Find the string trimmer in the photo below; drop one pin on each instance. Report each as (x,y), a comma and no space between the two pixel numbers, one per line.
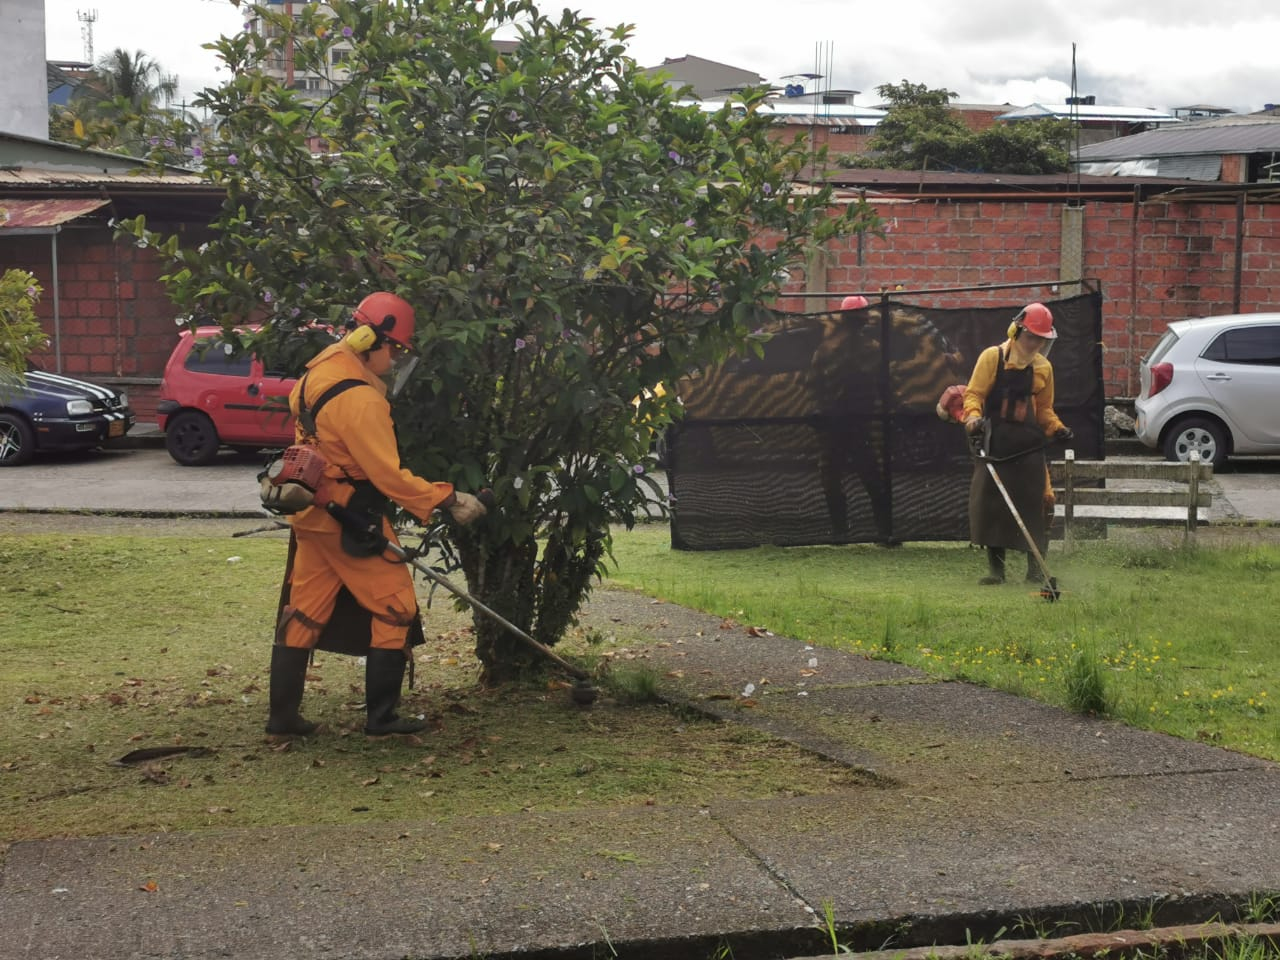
(1049,591)
(584,691)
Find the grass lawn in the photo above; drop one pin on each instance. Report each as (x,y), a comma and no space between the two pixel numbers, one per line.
(1170,639)
(114,643)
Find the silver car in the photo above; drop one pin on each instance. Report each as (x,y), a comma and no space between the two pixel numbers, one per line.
(1213,385)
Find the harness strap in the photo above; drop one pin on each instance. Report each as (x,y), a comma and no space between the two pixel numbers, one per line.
(307,417)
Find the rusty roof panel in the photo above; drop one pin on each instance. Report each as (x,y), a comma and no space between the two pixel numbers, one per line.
(34,177)
(18,214)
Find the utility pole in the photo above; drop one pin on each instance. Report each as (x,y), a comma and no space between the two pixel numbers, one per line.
(87,19)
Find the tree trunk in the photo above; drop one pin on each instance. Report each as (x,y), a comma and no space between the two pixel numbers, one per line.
(503,581)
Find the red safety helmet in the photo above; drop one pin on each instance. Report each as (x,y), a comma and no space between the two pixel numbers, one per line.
(1036,318)
(853,302)
(384,316)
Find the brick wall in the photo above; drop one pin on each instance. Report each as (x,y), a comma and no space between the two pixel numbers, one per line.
(116,322)
(1155,261)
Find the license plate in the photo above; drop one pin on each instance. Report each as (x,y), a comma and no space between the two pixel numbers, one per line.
(115,428)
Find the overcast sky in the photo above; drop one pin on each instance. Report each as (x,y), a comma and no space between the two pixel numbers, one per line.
(1141,53)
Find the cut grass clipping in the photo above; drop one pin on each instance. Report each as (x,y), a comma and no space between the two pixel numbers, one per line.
(133,646)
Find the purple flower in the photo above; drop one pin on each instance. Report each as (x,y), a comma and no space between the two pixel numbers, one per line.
(347,31)
(638,468)
(197,152)
(673,155)
(513,116)
(266,296)
(767,188)
(520,344)
(232,159)
(31,292)
(690,222)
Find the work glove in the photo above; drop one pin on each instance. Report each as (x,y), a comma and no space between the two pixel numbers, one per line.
(466,508)
(975,426)
(1063,434)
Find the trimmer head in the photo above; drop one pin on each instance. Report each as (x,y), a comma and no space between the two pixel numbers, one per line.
(584,692)
(1050,591)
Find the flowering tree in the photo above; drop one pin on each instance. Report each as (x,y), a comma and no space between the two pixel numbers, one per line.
(570,235)
(20,331)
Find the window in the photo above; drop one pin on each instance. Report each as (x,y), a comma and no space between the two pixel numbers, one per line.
(1258,345)
(210,359)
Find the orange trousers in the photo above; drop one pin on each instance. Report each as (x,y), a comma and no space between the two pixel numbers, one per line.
(381,584)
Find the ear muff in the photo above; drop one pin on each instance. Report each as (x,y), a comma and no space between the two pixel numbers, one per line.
(362,339)
(1014,329)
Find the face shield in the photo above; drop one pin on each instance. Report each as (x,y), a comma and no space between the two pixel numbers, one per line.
(1033,343)
(403,363)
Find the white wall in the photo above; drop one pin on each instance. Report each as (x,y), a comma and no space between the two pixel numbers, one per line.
(24,88)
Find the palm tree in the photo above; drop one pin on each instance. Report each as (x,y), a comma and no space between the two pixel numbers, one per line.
(137,78)
(126,94)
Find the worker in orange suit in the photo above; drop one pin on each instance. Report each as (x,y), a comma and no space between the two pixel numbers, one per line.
(342,407)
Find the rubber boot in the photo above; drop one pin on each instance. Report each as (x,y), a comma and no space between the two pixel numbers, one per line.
(995,567)
(288,676)
(1034,575)
(383,675)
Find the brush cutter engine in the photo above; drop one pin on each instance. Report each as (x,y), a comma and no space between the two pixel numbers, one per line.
(288,484)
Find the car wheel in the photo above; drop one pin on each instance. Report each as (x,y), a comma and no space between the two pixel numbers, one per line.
(191,439)
(1205,436)
(17,442)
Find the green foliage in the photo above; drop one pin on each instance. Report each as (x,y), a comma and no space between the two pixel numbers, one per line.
(570,236)
(123,107)
(1085,683)
(20,331)
(921,132)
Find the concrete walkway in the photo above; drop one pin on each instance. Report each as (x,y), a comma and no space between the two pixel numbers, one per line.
(965,809)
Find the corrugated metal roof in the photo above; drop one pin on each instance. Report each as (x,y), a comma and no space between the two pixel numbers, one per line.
(828,114)
(36,177)
(1250,133)
(20,214)
(1090,112)
(1200,168)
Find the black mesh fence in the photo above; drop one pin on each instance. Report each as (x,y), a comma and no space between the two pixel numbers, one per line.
(831,437)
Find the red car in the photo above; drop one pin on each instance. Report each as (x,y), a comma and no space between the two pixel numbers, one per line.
(209,399)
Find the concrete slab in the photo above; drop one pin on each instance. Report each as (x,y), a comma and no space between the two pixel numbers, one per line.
(467,888)
(946,859)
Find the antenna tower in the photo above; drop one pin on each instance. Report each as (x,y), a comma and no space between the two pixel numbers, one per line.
(87,19)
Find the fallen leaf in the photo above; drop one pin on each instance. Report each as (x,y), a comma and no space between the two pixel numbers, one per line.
(495,847)
(369,783)
(150,887)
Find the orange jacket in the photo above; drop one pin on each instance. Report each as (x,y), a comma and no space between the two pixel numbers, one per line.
(356,436)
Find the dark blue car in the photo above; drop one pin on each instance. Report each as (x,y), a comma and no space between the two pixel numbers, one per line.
(47,411)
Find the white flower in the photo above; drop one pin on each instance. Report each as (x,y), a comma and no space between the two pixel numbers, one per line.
(611,129)
(749,689)
(586,202)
